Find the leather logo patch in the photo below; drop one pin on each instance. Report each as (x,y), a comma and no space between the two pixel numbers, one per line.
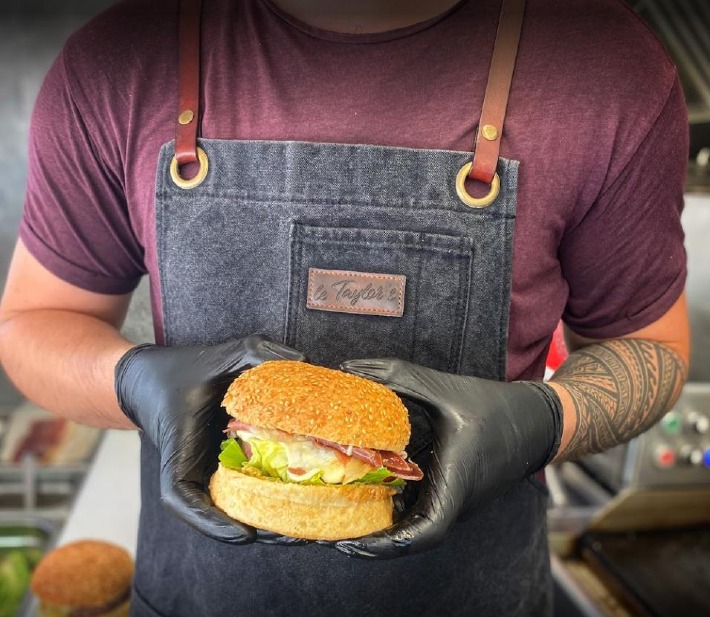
(342,291)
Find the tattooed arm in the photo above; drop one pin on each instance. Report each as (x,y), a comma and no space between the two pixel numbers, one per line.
(615,389)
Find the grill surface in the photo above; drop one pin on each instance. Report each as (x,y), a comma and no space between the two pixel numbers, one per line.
(657,574)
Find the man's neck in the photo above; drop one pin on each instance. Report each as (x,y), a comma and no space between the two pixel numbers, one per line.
(360,16)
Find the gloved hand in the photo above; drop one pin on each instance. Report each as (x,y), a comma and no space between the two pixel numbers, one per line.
(174,394)
(488,436)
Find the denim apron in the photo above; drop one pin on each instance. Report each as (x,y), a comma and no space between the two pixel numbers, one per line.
(234,259)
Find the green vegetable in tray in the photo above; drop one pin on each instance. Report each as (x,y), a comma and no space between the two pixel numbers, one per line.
(15,570)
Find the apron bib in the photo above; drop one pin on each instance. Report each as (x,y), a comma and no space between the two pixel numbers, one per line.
(236,257)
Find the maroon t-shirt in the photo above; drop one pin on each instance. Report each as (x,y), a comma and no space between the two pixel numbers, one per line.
(596,118)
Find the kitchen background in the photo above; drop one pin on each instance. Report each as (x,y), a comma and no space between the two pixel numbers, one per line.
(44,504)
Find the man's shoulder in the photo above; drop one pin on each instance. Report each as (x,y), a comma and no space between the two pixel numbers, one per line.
(127,23)
(596,67)
(122,46)
(603,45)
(120,71)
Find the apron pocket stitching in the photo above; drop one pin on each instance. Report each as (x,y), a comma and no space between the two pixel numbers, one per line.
(459,313)
(504,320)
(415,303)
(291,328)
(165,303)
(465,276)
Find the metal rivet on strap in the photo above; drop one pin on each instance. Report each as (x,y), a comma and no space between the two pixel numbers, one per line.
(186,116)
(489,132)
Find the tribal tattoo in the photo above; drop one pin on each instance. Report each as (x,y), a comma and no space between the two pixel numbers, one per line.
(619,389)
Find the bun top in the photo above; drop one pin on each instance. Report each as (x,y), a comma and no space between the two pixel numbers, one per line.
(304,399)
(83,573)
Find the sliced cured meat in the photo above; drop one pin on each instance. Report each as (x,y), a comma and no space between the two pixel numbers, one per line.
(237,425)
(401,467)
(371,457)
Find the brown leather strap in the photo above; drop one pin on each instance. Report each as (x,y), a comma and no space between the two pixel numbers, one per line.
(490,127)
(495,101)
(189,82)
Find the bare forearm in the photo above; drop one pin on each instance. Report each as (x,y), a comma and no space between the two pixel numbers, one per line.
(613,391)
(64,361)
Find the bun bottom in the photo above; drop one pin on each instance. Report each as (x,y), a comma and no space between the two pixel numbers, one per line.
(311,512)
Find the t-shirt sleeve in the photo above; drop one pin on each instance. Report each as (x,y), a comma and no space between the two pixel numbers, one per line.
(75,220)
(625,260)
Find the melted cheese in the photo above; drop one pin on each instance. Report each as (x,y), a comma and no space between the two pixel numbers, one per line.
(303,453)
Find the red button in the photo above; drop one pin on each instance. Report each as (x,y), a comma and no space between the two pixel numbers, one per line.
(665,457)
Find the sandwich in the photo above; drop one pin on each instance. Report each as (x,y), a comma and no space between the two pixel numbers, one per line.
(86,577)
(312,452)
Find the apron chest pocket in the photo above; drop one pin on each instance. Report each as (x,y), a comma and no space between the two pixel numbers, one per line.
(435,298)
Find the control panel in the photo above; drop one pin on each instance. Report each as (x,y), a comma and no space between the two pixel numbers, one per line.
(674,452)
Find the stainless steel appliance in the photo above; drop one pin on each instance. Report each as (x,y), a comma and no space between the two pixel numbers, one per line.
(675,452)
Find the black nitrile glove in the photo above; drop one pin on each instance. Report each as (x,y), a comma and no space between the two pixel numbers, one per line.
(174,395)
(488,436)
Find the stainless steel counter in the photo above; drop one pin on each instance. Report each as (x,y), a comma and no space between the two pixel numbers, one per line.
(108,503)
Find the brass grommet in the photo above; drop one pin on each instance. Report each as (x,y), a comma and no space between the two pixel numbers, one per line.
(489,132)
(186,116)
(475,202)
(192,182)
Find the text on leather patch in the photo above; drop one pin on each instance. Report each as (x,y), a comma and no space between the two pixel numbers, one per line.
(342,291)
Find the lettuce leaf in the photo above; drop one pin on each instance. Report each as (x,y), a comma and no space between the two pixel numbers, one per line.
(270,457)
(316,479)
(379,476)
(232,456)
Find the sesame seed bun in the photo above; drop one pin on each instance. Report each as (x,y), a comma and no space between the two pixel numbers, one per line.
(87,574)
(304,399)
(303,511)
